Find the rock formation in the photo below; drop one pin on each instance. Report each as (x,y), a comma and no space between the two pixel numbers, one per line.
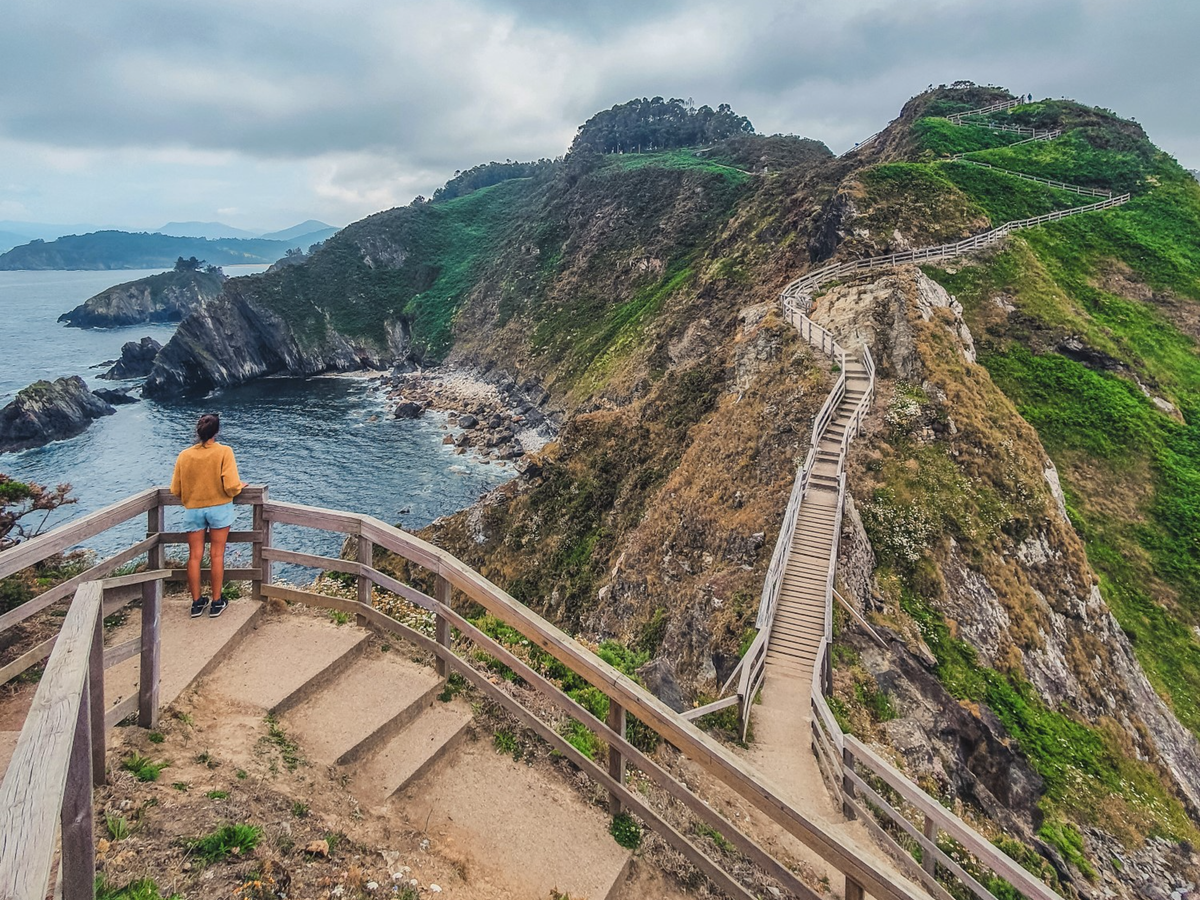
(166,297)
(137,359)
(49,411)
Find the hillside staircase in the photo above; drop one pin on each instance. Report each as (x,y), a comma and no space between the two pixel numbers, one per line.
(384,719)
(787,669)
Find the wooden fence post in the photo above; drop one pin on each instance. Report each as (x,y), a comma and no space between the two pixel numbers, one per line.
(442,592)
(847,784)
(156,522)
(854,890)
(262,525)
(928,861)
(616,761)
(96,699)
(366,556)
(152,592)
(78,838)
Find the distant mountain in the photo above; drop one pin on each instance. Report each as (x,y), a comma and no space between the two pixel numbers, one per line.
(32,231)
(305,230)
(210,230)
(123,250)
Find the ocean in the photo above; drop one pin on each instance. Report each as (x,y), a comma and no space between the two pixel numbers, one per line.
(324,441)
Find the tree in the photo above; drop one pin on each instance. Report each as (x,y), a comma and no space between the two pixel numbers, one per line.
(22,502)
(188,265)
(293,251)
(656,124)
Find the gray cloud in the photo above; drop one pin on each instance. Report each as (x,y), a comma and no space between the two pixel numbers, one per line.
(345,107)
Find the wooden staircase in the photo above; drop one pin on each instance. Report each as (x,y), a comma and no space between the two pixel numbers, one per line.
(801,612)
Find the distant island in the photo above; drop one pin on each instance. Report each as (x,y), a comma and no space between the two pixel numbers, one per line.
(142,250)
(166,297)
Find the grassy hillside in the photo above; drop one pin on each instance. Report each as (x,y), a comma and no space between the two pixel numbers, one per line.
(1090,327)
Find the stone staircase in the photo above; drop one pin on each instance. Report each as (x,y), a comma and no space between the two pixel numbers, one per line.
(373,714)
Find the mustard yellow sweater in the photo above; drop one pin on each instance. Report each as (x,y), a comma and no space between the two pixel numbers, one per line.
(206,476)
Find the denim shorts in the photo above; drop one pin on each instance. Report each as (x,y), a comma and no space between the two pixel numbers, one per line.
(208,517)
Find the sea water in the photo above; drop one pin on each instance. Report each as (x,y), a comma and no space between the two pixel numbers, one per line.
(325,441)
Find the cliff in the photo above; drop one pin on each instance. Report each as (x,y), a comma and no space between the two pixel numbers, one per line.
(166,297)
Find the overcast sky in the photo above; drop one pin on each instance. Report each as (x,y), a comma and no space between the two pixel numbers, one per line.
(260,113)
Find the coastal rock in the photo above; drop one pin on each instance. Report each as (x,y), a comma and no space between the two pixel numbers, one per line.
(408,410)
(115,397)
(232,340)
(468,422)
(49,411)
(137,359)
(166,297)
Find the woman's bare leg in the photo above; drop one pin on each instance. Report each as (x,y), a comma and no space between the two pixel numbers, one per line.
(195,541)
(217,538)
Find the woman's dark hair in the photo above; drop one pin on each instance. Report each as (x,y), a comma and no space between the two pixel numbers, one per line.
(208,426)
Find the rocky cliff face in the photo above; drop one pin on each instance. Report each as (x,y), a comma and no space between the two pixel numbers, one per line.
(49,411)
(137,359)
(232,340)
(166,297)
(960,517)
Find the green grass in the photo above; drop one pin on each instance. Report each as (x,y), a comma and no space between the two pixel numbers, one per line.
(581,738)
(217,795)
(289,750)
(1005,198)
(626,831)
(142,889)
(1071,158)
(142,767)
(1069,841)
(943,138)
(117,826)
(228,840)
(676,159)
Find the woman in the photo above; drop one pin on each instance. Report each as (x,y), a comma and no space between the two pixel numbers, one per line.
(206,480)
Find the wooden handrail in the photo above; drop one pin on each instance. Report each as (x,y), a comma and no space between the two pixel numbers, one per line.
(53,757)
(36,549)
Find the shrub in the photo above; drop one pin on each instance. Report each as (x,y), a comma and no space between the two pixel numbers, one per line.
(626,831)
(228,840)
(142,767)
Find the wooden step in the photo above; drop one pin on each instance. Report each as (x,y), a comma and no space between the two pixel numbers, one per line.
(363,706)
(189,650)
(281,655)
(523,831)
(413,752)
(323,679)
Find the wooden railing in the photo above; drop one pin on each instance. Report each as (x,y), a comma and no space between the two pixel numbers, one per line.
(48,773)
(1049,182)
(799,292)
(865,142)
(984,110)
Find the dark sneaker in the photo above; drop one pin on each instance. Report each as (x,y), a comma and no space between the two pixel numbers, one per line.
(198,607)
(218,607)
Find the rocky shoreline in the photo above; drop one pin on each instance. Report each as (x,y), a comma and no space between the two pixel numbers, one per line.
(495,418)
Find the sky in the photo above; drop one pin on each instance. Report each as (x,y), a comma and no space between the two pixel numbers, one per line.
(260,114)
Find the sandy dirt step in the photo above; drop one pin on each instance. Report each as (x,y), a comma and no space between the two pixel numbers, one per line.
(188,647)
(280,655)
(412,753)
(518,829)
(375,690)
